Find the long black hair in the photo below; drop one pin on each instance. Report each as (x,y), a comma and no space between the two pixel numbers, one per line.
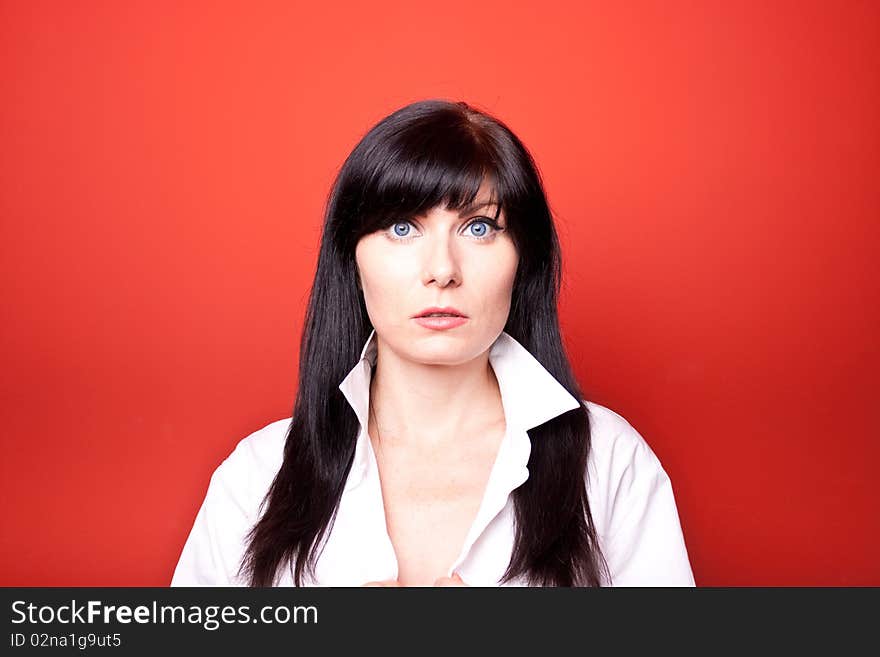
(424,155)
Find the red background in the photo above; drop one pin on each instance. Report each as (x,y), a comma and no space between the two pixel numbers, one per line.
(714,172)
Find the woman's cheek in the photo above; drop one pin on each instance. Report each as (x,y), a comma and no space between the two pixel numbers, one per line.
(384,301)
(503,274)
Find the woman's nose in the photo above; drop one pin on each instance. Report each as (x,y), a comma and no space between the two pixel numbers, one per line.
(441,265)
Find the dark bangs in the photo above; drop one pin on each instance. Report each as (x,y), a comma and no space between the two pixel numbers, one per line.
(417,159)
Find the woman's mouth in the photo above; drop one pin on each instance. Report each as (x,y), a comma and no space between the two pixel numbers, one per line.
(440,322)
(440,318)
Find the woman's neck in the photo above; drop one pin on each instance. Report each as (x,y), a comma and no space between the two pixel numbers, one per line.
(435,405)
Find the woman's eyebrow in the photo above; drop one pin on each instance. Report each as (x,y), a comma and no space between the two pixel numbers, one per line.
(476,206)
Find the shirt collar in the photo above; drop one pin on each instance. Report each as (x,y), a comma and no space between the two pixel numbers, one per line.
(529,393)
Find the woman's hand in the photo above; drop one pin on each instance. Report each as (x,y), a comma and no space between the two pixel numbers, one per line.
(455,580)
(384,582)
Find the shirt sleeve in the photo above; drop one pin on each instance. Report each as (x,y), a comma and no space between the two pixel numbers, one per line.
(213,550)
(644,544)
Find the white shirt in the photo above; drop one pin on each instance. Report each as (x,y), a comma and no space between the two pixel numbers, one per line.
(630,495)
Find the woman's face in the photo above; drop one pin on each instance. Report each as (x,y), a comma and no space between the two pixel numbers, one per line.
(439,260)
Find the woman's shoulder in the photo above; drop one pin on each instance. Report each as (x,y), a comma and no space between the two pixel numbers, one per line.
(633,506)
(617,447)
(256,458)
(611,431)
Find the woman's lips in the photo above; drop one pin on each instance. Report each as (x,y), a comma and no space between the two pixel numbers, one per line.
(440,323)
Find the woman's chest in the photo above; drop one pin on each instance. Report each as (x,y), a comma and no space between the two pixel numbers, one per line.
(429,507)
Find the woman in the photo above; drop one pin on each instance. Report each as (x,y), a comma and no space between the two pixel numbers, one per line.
(438,435)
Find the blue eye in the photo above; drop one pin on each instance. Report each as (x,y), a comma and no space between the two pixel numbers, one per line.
(401,228)
(481,228)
